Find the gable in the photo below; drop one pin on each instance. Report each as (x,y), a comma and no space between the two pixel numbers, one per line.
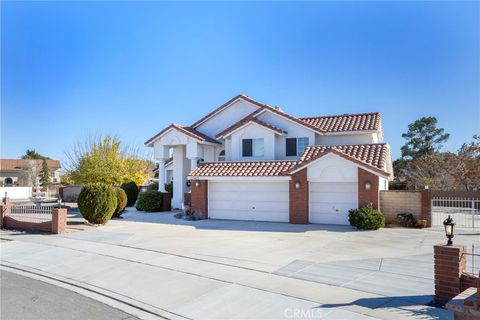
(292,128)
(226,117)
(332,168)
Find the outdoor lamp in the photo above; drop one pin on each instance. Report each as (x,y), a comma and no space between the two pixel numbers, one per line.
(449,225)
(368,185)
(197,183)
(188,183)
(297,184)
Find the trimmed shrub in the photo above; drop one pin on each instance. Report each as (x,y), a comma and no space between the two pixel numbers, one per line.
(121,202)
(366,218)
(97,202)
(169,187)
(131,189)
(150,200)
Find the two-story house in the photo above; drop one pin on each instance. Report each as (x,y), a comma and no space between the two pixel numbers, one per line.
(246,160)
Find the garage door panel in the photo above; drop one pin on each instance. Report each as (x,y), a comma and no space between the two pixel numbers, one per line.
(275,206)
(329,202)
(259,201)
(251,195)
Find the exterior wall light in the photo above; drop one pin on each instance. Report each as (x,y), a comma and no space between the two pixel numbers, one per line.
(197,183)
(297,185)
(368,185)
(188,183)
(449,225)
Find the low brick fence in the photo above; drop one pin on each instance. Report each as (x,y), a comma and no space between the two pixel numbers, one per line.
(47,219)
(416,202)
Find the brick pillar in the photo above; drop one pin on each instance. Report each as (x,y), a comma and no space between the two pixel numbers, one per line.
(199,198)
(59,220)
(368,196)
(166,201)
(450,263)
(5,207)
(298,204)
(426,213)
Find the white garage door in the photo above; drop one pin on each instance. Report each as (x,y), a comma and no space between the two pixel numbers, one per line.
(259,201)
(329,202)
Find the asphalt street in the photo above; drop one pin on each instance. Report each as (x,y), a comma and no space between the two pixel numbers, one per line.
(24,298)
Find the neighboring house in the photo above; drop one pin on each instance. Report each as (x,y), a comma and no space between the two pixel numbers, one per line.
(24,172)
(250,161)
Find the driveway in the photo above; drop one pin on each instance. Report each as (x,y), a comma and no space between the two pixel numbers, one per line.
(209,269)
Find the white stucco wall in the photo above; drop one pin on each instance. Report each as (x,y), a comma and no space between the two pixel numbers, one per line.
(253,131)
(16,193)
(346,139)
(383,183)
(332,168)
(226,118)
(293,130)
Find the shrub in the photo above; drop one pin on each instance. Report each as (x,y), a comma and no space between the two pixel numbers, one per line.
(97,202)
(121,202)
(150,200)
(366,218)
(169,187)
(131,189)
(153,186)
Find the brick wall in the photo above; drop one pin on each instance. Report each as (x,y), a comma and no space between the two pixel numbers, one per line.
(199,198)
(58,224)
(298,206)
(416,202)
(368,196)
(166,201)
(393,202)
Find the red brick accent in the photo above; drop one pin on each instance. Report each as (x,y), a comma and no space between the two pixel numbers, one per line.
(187,199)
(469,280)
(299,198)
(59,220)
(12,223)
(368,196)
(199,198)
(450,263)
(166,201)
(426,213)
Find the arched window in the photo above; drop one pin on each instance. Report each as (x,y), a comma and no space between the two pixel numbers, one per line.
(8,180)
(221,156)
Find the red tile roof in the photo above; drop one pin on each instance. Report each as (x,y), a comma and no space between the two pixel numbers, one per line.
(345,122)
(243,169)
(21,164)
(249,118)
(372,156)
(187,130)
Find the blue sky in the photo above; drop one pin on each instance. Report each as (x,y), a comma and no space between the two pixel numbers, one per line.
(72,69)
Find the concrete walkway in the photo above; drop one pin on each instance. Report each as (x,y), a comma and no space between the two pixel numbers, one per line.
(249,270)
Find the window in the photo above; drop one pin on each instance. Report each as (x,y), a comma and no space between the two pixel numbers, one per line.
(302,144)
(295,146)
(221,156)
(252,148)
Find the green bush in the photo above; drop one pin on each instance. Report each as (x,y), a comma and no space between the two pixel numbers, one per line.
(131,189)
(150,200)
(366,218)
(153,186)
(97,202)
(169,187)
(121,202)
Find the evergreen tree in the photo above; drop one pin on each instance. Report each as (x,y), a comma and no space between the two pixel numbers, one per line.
(45,179)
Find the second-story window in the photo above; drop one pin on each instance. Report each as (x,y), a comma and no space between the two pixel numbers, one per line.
(252,148)
(296,146)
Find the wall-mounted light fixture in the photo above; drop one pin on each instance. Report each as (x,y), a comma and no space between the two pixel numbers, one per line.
(368,185)
(197,183)
(188,183)
(297,184)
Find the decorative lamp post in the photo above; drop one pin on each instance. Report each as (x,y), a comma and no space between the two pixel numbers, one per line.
(449,225)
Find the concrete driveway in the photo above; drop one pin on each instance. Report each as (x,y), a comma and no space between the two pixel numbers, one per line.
(157,266)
